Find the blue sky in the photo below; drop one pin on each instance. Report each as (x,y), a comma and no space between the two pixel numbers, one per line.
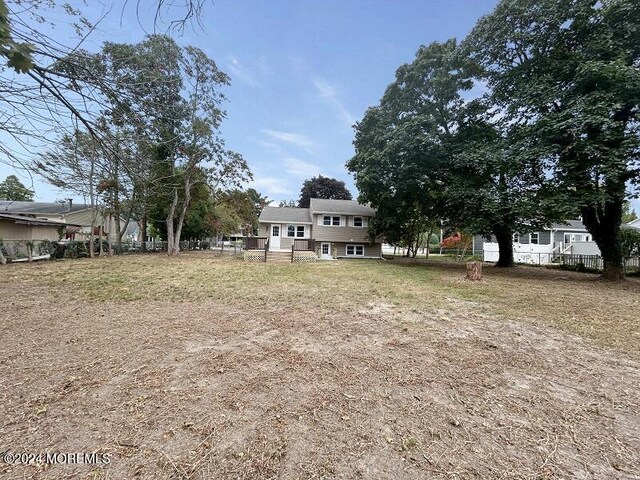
(303,72)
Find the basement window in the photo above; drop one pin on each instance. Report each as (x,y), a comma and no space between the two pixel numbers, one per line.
(355,251)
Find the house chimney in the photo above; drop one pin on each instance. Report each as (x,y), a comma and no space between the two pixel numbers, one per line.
(70,202)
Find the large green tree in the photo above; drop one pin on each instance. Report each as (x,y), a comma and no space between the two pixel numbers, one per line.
(429,153)
(569,71)
(162,127)
(322,187)
(13,189)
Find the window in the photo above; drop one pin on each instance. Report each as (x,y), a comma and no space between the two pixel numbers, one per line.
(534,238)
(325,249)
(355,250)
(275,231)
(295,231)
(516,238)
(329,221)
(358,222)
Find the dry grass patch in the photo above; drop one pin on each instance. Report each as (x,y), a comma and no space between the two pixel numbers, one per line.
(201,367)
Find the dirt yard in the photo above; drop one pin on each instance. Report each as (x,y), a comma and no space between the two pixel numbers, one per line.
(207,368)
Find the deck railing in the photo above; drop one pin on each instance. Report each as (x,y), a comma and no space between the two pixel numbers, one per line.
(256,243)
(303,245)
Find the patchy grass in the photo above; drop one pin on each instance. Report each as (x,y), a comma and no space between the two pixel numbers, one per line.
(579,303)
(206,367)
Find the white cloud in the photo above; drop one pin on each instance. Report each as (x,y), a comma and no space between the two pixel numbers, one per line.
(240,72)
(330,95)
(295,139)
(271,186)
(298,168)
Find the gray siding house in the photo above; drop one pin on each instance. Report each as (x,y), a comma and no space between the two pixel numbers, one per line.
(335,228)
(542,246)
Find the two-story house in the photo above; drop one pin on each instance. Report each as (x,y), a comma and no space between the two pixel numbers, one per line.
(329,228)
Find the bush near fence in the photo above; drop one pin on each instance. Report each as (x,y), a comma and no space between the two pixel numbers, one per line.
(16,250)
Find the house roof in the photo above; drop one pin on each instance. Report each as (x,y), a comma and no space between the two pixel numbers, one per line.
(634,223)
(343,207)
(284,214)
(570,225)
(39,208)
(35,221)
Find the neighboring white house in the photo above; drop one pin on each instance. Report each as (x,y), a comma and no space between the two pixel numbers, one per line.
(634,223)
(544,246)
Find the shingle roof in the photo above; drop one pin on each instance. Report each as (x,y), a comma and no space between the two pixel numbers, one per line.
(35,208)
(344,207)
(569,225)
(282,214)
(34,221)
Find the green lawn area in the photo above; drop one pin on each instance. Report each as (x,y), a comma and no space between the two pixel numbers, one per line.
(207,367)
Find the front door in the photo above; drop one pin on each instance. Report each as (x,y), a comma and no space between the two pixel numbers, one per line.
(325,250)
(274,241)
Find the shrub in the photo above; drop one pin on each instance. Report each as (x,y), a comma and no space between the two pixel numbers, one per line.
(75,249)
(47,247)
(205,246)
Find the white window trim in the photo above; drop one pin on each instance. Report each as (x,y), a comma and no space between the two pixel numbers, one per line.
(365,222)
(343,220)
(354,254)
(537,234)
(295,231)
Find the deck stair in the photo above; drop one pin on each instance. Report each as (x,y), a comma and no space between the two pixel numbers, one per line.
(278,257)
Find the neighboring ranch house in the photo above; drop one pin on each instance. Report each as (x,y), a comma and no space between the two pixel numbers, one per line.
(544,246)
(327,229)
(76,217)
(21,228)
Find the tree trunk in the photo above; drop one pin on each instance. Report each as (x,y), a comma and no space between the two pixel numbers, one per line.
(171,250)
(505,247)
(183,212)
(110,236)
(127,220)
(474,271)
(429,233)
(92,201)
(100,234)
(119,231)
(604,225)
(143,234)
